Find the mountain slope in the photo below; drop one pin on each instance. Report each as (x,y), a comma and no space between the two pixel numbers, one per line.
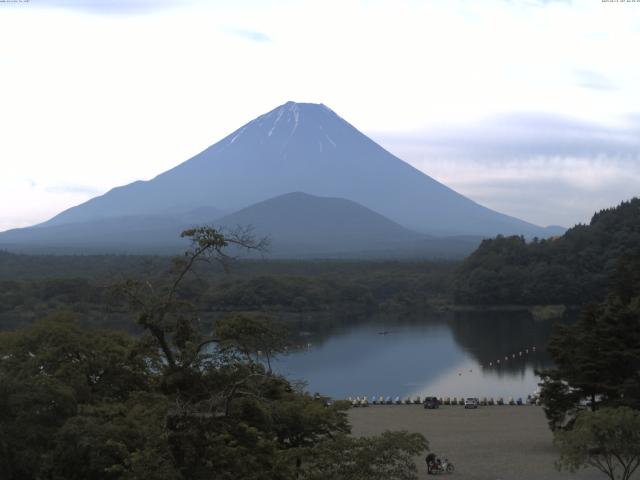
(298,225)
(300,147)
(150,233)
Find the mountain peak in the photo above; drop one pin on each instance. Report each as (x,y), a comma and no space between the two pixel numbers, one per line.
(303,147)
(318,110)
(292,104)
(304,108)
(312,121)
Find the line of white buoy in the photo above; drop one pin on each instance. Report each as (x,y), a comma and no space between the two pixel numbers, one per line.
(511,356)
(430,403)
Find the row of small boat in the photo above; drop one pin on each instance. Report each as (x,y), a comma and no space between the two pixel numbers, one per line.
(484,401)
(375,400)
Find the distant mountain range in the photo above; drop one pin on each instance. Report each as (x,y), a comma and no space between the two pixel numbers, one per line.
(353,198)
(297,225)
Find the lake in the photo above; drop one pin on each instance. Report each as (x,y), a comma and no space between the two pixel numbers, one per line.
(457,354)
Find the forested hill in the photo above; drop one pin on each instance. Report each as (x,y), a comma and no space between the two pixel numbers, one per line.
(573,269)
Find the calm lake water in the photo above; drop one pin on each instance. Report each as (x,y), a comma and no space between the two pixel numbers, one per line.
(446,355)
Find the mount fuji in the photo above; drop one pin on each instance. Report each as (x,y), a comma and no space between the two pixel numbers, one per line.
(297,147)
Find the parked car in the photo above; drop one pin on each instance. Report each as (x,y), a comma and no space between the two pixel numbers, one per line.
(471,402)
(430,402)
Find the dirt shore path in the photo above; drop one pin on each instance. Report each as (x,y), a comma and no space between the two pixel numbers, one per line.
(489,443)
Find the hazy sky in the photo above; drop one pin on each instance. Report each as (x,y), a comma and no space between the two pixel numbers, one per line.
(530,107)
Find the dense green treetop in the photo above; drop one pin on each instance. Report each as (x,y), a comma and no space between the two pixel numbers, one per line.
(572,269)
(83,285)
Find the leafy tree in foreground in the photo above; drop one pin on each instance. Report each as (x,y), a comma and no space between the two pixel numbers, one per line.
(254,336)
(608,439)
(175,403)
(64,392)
(387,456)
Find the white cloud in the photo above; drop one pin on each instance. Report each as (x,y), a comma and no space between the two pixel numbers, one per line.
(112,7)
(23,202)
(101,99)
(73,189)
(252,35)
(557,177)
(595,80)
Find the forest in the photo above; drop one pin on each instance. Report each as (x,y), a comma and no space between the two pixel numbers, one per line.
(32,287)
(573,269)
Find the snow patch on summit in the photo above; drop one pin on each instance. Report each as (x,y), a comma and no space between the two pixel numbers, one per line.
(275,123)
(296,116)
(330,140)
(235,137)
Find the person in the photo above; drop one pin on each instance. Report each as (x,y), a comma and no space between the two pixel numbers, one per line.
(431,463)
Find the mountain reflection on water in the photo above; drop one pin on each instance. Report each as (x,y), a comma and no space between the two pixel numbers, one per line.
(440,355)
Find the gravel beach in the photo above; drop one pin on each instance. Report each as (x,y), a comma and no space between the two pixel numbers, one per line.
(488,443)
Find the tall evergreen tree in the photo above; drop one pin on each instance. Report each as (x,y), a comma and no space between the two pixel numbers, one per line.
(597,360)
